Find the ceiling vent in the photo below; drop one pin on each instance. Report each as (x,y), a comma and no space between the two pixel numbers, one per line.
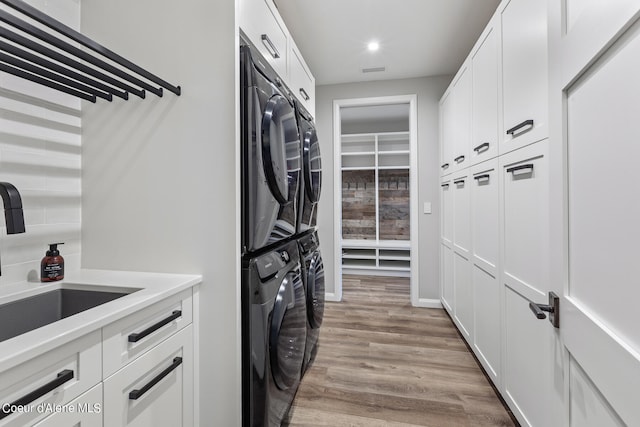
(373,69)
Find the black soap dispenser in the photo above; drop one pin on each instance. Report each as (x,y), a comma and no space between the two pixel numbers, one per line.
(52,265)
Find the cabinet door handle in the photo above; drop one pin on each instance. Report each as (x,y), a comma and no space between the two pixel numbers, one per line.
(459,159)
(481,147)
(481,177)
(137,336)
(266,41)
(304,94)
(63,377)
(137,393)
(520,126)
(444,185)
(528,166)
(460,181)
(445,166)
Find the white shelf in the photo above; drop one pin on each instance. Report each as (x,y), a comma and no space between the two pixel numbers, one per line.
(359,153)
(376,244)
(356,168)
(384,153)
(392,167)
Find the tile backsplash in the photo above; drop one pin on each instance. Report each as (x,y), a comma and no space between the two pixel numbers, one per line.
(41,154)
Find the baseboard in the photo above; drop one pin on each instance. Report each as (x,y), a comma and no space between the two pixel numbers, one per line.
(428,303)
(331,297)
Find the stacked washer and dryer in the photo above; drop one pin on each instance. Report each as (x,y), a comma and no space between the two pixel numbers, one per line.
(282,270)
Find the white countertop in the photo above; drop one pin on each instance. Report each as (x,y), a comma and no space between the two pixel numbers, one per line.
(153,287)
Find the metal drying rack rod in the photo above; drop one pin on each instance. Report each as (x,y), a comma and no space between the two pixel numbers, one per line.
(56,76)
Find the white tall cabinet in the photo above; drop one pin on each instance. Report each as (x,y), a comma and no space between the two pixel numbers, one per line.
(495,205)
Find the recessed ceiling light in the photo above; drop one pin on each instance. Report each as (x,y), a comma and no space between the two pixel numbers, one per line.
(373,46)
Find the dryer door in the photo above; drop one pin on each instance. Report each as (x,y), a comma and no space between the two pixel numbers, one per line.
(315,290)
(288,332)
(279,143)
(312,164)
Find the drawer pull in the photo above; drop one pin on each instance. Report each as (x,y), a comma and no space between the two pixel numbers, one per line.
(137,336)
(517,127)
(445,166)
(459,159)
(137,393)
(266,41)
(481,147)
(63,377)
(304,94)
(459,181)
(528,166)
(484,177)
(444,185)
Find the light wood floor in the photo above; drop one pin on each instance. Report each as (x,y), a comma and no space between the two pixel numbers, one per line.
(382,362)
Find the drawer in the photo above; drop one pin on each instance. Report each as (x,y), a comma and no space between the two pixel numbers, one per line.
(155,389)
(129,338)
(85,411)
(56,378)
(261,24)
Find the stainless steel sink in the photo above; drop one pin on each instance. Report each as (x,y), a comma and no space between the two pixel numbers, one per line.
(27,314)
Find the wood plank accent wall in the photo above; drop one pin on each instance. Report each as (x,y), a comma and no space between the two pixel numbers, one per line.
(359,204)
(393,202)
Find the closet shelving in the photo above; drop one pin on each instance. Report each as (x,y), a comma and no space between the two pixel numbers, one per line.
(65,60)
(375,234)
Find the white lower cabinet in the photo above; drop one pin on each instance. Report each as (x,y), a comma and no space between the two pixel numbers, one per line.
(31,391)
(156,389)
(463,309)
(525,279)
(485,194)
(148,382)
(85,411)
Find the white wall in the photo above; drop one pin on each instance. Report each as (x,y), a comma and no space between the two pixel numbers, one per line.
(429,90)
(40,135)
(160,176)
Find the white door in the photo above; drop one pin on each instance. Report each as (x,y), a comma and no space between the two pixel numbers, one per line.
(595,99)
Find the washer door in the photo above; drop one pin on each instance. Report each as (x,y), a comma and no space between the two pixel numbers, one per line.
(312,164)
(279,134)
(288,332)
(315,290)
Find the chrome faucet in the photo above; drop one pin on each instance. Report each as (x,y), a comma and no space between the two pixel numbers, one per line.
(13,215)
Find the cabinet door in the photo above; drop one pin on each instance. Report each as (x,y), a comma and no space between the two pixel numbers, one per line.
(85,411)
(463,308)
(524,73)
(446,134)
(260,22)
(527,361)
(461,120)
(446,278)
(484,263)
(461,215)
(301,81)
(485,60)
(156,389)
(66,371)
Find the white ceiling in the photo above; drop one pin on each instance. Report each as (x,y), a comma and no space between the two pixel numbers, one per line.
(417,37)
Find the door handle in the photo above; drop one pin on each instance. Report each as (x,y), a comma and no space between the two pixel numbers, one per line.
(459,159)
(553,308)
(304,94)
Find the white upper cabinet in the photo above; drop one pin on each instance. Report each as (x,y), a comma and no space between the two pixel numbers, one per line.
(301,81)
(461,120)
(446,133)
(524,73)
(485,127)
(263,26)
